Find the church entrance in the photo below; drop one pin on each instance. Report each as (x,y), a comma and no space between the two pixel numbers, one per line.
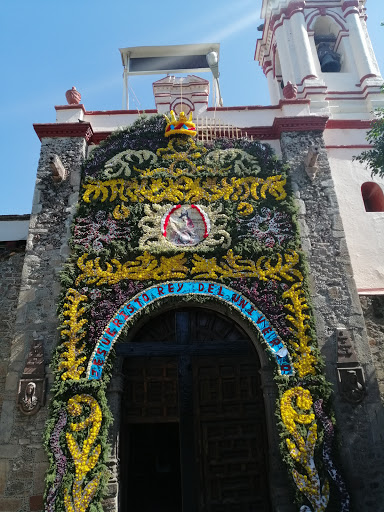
(193,429)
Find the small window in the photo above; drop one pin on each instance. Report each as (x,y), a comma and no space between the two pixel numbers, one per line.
(373,197)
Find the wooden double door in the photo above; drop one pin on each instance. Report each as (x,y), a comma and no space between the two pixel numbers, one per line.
(193,429)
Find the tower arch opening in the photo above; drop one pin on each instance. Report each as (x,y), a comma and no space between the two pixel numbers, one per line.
(328,45)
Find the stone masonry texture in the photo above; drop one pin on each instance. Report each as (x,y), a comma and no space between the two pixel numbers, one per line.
(337,305)
(373,309)
(23,461)
(10,271)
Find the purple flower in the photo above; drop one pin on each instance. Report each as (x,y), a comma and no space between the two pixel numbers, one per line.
(268,227)
(267,300)
(95,232)
(61,460)
(106,308)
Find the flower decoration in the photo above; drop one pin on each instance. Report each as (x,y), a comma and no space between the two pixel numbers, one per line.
(149,267)
(84,456)
(182,125)
(120,164)
(71,359)
(60,459)
(306,361)
(181,156)
(120,212)
(268,227)
(237,159)
(98,232)
(233,266)
(185,189)
(107,307)
(301,449)
(183,226)
(334,473)
(144,267)
(139,175)
(267,300)
(244,209)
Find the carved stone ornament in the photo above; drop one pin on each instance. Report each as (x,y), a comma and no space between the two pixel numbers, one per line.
(310,161)
(57,168)
(290,91)
(31,394)
(350,374)
(73,96)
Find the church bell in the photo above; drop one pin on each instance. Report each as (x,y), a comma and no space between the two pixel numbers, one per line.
(330,61)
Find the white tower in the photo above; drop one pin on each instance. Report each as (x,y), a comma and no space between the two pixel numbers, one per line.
(325,51)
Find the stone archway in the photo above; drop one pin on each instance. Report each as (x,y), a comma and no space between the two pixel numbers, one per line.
(193,429)
(277,476)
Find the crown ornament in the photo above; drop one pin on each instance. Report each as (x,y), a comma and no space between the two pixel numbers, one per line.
(182,125)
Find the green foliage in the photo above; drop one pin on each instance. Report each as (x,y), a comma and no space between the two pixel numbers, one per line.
(374,158)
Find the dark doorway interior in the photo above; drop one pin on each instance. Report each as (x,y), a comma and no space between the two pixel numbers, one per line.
(193,424)
(154,467)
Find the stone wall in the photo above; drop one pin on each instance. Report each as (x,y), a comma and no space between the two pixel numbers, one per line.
(336,305)
(10,271)
(373,309)
(23,460)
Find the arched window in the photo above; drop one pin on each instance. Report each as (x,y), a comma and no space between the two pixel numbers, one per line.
(373,197)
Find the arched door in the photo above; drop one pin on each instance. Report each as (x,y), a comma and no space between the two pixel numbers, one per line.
(193,429)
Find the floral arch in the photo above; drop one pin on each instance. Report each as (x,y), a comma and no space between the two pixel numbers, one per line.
(161,215)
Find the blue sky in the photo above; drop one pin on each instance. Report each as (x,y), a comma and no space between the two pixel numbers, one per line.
(46,47)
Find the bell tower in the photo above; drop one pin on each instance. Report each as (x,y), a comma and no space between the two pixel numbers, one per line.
(324,51)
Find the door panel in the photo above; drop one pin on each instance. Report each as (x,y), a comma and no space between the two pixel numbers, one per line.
(151,390)
(232,469)
(230,435)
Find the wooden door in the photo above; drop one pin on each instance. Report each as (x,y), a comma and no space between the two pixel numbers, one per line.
(192,385)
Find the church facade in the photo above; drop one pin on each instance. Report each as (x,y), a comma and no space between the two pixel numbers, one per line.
(195,324)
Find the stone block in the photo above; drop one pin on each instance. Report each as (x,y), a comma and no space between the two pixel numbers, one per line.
(16,487)
(73,198)
(36,446)
(327,183)
(3,369)
(25,475)
(39,477)
(36,503)
(4,469)
(301,206)
(10,451)
(6,422)
(337,223)
(334,292)
(40,456)
(10,505)
(12,381)
(110,505)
